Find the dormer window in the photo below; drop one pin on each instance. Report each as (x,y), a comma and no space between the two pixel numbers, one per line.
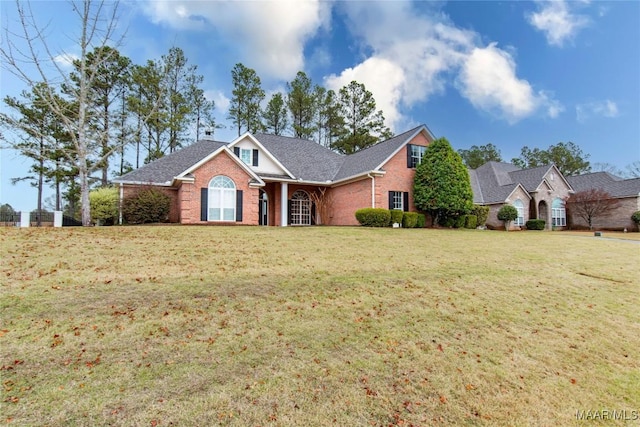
(247,155)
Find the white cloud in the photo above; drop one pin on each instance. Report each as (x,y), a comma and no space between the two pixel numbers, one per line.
(221,101)
(416,56)
(382,78)
(270,35)
(557,21)
(66,59)
(606,108)
(488,79)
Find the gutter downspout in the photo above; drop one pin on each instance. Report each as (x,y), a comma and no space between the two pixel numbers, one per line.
(373,189)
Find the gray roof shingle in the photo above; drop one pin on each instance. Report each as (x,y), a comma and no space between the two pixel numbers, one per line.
(370,158)
(306,160)
(614,185)
(163,170)
(492,183)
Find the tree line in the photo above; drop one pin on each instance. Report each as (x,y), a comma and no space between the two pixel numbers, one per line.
(76,126)
(567,156)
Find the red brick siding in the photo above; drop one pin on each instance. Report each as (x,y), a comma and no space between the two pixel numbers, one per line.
(618,219)
(347,199)
(222,164)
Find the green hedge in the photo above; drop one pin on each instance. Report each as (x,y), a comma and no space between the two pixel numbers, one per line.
(373,217)
(409,219)
(422,221)
(481,213)
(396,216)
(146,206)
(104,205)
(471,222)
(535,224)
(459,221)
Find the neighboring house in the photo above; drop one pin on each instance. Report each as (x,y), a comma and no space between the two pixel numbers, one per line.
(537,193)
(272,180)
(626,191)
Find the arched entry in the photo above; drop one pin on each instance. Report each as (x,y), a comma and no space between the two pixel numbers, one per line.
(300,211)
(263,208)
(543,211)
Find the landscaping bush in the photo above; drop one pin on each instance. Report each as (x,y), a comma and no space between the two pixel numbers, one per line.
(373,217)
(471,222)
(481,213)
(535,224)
(146,206)
(409,219)
(507,213)
(459,221)
(447,221)
(635,217)
(396,216)
(422,221)
(104,205)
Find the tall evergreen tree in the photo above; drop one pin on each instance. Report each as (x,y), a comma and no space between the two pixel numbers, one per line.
(302,105)
(476,156)
(247,96)
(276,119)
(180,83)
(441,184)
(109,80)
(148,102)
(568,158)
(36,127)
(364,126)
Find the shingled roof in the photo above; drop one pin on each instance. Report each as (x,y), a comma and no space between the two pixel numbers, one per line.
(371,158)
(306,160)
(614,185)
(163,170)
(493,182)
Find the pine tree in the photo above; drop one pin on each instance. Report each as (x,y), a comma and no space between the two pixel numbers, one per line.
(364,126)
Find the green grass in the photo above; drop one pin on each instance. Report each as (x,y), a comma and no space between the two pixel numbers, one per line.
(248,326)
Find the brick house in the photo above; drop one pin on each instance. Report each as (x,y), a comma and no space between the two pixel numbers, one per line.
(625,191)
(536,193)
(275,180)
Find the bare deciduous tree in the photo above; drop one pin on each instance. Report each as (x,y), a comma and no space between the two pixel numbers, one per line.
(591,204)
(27,55)
(324,203)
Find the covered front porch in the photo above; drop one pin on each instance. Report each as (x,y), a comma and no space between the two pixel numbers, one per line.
(291,204)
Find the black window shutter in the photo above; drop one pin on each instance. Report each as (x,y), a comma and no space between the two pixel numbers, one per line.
(239,205)
(289,212)
(255,157)
(236,151)
(313,213)
(391,199)
(409,160)
(405,201)
(204,192)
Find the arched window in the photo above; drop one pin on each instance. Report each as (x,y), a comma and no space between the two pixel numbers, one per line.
(300,208)
(520,208)
(222,199)
(558,213)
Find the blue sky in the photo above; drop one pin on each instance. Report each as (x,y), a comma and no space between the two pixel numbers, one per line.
(510,73)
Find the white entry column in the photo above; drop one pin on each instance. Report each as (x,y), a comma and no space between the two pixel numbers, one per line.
(284,203)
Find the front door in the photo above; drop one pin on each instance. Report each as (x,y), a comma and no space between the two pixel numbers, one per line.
(263,208)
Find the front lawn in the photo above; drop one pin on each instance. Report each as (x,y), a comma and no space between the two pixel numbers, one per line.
(251,326)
